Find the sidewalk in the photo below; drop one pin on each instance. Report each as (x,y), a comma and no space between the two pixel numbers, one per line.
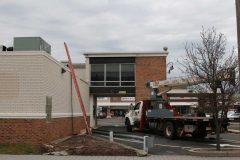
(41,157)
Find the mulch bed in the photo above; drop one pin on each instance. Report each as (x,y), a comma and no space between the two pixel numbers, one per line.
(90,145)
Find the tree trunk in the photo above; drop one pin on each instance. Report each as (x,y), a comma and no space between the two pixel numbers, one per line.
(217,127)
(217,130)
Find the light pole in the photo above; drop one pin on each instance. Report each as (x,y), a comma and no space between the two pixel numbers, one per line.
(237,3)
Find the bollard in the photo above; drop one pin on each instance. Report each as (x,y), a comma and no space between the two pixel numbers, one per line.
(148,142)
(111,136)
(145,148)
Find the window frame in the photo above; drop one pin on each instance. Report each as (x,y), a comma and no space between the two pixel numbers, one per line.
(103,72)
(120,78)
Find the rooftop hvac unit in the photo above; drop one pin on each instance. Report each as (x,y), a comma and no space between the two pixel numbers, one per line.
(31,44)
(10,49)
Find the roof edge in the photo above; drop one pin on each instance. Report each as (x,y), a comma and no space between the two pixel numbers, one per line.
(126,54)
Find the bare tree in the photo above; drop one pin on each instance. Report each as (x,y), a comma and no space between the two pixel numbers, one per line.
(215,69)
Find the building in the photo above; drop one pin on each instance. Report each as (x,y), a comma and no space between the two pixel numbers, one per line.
(113,106)
(38,102)
(117,74)
(183,100)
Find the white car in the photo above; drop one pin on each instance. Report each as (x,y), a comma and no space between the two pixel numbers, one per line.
(233,115)
(230,114)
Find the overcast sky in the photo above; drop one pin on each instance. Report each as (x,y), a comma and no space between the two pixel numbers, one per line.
(116,25)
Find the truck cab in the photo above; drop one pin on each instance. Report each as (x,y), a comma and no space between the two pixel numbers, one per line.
(132,118)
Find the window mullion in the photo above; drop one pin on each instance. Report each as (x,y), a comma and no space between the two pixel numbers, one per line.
(120,75)
(105,75)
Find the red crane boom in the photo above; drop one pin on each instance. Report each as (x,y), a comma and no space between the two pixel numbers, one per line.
(77,89)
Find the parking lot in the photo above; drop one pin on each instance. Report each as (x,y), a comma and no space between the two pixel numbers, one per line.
(163,146)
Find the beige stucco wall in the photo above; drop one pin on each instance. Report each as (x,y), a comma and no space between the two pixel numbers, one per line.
(26,78)
(81,73)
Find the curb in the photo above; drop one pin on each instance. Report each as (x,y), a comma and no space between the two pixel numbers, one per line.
(140,153)
(211,152)
(233,131)
(82,132)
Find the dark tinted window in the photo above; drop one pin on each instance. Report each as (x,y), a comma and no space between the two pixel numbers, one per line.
(127,72)
(127,83)
(112,72)
(112,83)
(97,72)
(109,74)
(97,83)
(137,106)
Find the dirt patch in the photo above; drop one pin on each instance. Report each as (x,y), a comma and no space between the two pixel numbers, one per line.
(89,145)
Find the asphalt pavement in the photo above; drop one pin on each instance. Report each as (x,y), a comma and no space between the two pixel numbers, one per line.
(164,149)
(234,125)
(164,146)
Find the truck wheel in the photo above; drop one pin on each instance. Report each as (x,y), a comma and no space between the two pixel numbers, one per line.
(169,130)
(128,126)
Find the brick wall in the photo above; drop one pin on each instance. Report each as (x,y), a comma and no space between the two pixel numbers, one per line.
(148,68)
(38,131)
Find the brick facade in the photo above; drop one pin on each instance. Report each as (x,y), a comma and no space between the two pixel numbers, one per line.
(148,68)
(39,131)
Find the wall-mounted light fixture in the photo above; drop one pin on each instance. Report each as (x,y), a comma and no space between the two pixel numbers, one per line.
(170,66)
(63,70)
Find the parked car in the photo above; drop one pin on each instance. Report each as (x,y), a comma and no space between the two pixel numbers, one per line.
(102,115)
(233,115)
(230,113)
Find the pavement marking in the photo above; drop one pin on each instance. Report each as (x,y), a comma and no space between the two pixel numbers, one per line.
(163,145)
(127,140)
(226,145)
(229,140)
(187,147)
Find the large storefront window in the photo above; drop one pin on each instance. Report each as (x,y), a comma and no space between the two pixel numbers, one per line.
(127,75)
(113,74)
(97,74)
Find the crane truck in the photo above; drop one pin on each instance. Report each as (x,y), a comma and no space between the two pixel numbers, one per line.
(157,114)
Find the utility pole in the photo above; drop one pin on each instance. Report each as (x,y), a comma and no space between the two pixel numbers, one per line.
(238,30)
